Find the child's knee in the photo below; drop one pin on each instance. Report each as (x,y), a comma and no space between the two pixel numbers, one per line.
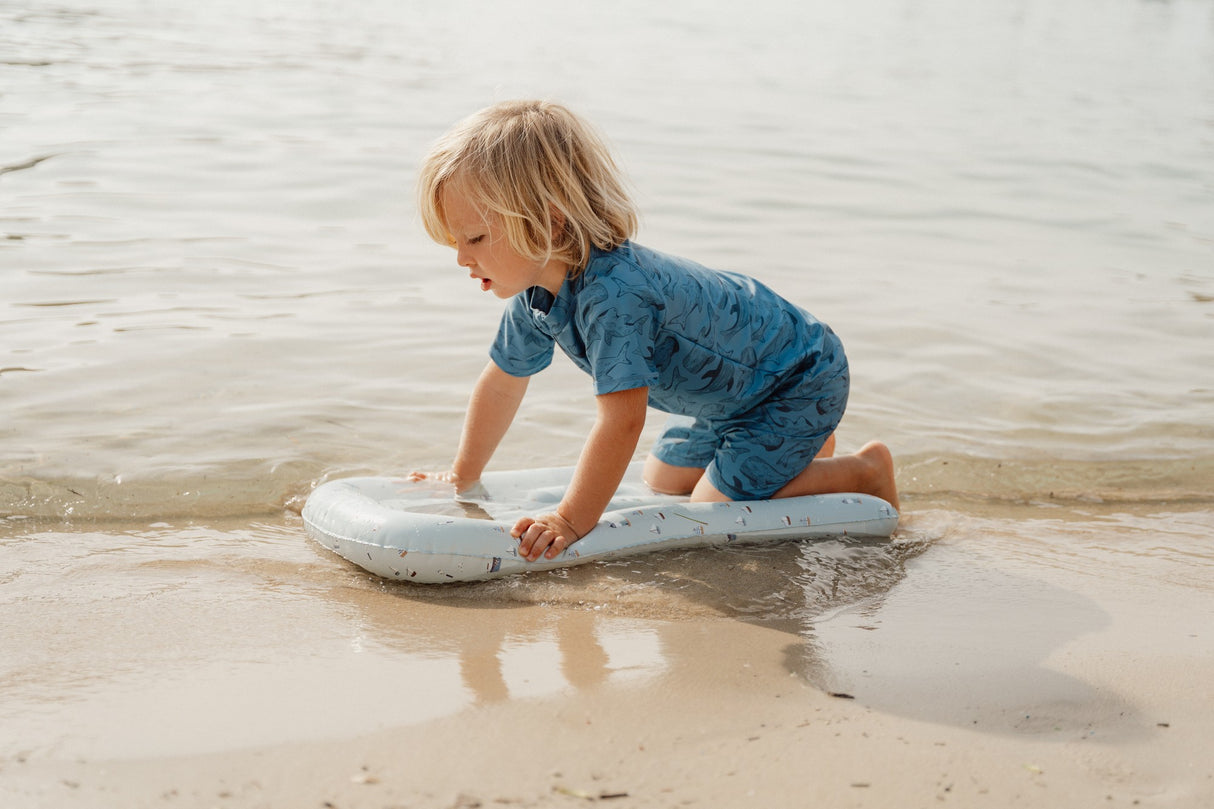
(664,478)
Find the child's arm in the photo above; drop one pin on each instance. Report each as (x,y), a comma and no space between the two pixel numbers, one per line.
(601,467)
(491,408)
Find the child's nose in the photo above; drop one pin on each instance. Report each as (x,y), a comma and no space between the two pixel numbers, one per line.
(463,259)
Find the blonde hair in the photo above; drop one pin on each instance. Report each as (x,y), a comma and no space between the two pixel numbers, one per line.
(535,164)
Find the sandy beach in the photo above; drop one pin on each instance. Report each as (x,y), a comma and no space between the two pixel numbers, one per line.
(689,742)
(736,737)
(968,681)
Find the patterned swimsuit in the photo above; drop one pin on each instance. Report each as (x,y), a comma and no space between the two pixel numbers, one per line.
(755,384)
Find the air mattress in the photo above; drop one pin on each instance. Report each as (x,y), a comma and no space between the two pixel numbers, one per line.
(418,531)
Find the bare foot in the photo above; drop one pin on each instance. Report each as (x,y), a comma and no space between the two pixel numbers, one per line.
(880,477)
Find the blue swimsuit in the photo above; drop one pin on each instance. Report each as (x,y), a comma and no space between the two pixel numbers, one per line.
(755,384)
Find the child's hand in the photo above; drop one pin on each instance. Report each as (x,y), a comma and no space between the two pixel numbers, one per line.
(460,484)
(550,532)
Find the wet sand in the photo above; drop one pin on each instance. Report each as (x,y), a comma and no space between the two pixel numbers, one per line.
(977,676)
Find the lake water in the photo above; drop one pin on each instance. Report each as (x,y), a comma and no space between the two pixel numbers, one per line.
(215,293)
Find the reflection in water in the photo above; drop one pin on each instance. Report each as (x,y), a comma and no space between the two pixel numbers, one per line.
(581,627)
(910,627)
(953,641)
(570,654)
(959,638)
(963,644)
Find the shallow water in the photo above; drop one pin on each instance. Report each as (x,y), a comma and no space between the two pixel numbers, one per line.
(214,293)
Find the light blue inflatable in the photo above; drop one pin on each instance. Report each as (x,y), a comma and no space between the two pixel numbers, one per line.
(416,531)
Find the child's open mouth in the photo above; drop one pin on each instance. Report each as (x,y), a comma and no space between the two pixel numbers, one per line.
(485,284)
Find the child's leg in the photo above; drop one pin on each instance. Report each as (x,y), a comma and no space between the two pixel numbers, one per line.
(666,478)
(751,458)
(680,455)
(869,471)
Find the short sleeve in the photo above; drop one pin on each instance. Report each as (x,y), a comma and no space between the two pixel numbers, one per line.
(620,316)
(520,349)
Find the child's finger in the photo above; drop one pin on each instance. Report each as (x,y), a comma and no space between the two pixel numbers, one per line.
(538,538)
(542,537)
(528,532)
(557,547)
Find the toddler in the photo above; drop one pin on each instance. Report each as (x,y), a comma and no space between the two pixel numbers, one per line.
(536,210)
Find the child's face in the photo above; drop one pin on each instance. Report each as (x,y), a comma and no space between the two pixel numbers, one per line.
(482,247)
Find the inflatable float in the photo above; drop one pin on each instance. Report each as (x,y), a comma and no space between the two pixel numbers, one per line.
(417,531)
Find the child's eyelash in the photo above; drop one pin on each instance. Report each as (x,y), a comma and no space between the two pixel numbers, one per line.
(476,240)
